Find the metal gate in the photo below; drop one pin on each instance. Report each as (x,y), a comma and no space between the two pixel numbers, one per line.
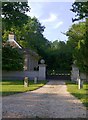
(58,76)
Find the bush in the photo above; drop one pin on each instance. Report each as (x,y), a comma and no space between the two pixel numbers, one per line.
(12,58)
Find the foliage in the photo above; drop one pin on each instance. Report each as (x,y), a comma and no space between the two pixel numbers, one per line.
(12,59)
(81,49)
(80,94)
(31,34)
(10,87)
(13,18)
(85,48)
(81,10)
(76,33)
(14,13)
(59,57)
(77,39)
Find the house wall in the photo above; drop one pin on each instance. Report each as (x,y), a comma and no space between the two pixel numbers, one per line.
(30,62)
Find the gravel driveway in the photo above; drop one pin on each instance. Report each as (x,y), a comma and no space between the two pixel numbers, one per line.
(50,101)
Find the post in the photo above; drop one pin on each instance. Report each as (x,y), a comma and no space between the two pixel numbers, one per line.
(80,84)
(26,82)
(74,73)
(42,71)
(35,80)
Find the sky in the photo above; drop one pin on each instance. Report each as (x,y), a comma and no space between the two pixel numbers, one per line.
(55,16)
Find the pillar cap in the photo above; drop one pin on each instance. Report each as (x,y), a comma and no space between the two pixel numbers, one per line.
(42,61)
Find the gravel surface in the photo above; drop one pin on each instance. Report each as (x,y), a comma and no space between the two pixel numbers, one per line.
(50,101)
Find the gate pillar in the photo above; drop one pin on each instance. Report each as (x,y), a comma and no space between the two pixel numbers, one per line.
(42,71)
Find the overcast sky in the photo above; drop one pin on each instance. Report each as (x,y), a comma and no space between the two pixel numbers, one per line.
(55,16)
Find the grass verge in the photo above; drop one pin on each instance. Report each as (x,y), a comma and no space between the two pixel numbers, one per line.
(10,87)
(81,94)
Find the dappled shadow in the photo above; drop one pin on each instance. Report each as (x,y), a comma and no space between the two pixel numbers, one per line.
(5,93)
(86,89)
(82,96)
(56,82)
(14,82)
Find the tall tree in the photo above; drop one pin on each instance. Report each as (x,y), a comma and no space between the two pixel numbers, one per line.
(78,39)
(59,57)
(81,51)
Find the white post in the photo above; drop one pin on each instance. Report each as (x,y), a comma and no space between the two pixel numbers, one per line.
(79,83)
(42,71)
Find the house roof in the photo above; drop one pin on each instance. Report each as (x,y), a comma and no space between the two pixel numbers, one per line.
(14,43)
(29,51)
(11,40)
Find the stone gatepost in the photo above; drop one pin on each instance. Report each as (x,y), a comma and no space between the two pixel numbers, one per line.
(74,73)
(42,70)
(26,82)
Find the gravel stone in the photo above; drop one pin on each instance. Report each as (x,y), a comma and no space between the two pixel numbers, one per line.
(50,101)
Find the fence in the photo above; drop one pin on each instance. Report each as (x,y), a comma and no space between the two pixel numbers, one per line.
(19,74)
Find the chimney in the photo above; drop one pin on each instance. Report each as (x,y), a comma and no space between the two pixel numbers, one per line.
(11,37)
(12,41)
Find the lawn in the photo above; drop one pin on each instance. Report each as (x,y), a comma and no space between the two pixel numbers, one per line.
(81,94)
(10,87)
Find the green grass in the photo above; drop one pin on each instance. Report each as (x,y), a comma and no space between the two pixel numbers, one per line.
(81,94)
(10,87)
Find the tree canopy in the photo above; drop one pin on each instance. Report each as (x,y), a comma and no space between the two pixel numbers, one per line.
(13,13)
(80,9)
(80,38)
(77,40)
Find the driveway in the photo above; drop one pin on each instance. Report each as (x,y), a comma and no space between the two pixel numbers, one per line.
(50,101)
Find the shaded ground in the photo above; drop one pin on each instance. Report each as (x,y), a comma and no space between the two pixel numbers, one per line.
(50,101)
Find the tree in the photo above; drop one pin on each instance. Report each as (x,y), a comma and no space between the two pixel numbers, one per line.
(59,57)
(86,47)
(76,33)
(33,37)
(12,59)
(14,13)
(13,18)
(81,10)
(81,50)
(78,39)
